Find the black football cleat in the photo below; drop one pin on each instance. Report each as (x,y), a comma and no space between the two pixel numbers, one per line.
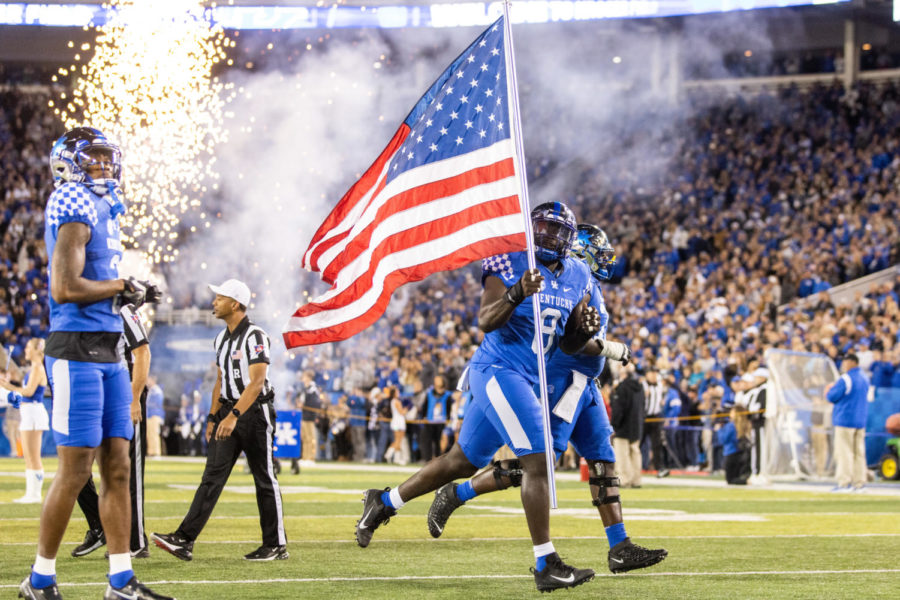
(557,575)
(174,544)
(139,553)
(133,590)
(444,503)
(375,514)
(93,539)
(627,556)
(51,592)
(264,553)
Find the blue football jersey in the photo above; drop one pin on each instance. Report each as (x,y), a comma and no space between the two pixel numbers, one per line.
(513,345)
(74,202)
(591,366)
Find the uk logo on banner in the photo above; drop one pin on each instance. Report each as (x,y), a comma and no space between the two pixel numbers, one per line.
(287,434)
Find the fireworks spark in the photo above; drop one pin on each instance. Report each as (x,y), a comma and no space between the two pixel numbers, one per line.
(149,86)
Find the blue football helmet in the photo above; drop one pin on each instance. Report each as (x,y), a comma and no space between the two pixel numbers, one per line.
(80,148)
(593,247)
(553,224)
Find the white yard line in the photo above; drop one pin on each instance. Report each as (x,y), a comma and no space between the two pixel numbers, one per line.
(481,577)
(789,536)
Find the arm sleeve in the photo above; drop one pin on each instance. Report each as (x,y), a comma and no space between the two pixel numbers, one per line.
(257,347)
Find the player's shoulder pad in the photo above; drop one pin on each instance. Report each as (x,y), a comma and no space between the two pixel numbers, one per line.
(71,202)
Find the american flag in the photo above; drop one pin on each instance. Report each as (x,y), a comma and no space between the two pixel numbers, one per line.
(442,194)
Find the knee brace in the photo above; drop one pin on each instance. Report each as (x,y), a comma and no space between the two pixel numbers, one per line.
(511,469)
(602,475)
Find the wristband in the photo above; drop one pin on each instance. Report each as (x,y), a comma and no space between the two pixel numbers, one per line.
(236,413)
(515,295)
(212,418)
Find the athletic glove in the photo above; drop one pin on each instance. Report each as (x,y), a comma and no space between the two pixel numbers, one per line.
(153,295)
(616,351)
(134,293)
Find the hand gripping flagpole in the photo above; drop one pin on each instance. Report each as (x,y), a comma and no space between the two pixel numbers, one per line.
(516,125)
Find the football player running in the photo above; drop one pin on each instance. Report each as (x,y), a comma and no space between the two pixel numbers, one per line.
(579,416)
(502,375)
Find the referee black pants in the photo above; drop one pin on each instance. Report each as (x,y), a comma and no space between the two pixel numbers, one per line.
(252,435)
(654,431)
(89,502)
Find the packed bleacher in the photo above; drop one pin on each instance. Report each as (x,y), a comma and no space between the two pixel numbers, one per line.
(766,198)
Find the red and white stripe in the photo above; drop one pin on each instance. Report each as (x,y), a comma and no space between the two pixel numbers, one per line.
(436,217)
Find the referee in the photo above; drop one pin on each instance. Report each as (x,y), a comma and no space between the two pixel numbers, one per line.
(242,419)
(137,355)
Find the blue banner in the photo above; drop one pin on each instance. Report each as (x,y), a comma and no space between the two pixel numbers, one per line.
(287,434)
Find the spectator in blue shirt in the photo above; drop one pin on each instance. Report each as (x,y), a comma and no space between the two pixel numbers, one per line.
(734,436)
(849,394)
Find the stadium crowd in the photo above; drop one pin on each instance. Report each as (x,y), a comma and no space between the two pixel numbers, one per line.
(769,199)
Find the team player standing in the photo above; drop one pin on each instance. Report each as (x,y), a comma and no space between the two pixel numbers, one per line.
(88,378)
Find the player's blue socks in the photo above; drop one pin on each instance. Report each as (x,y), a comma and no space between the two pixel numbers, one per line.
(392,498)
(43,572)
(615,534)
(465,491)
(39,581)
(119,580)
(541,553)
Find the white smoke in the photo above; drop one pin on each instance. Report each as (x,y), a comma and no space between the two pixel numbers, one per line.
(304,131)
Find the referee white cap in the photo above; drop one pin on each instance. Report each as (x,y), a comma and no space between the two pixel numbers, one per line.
(234,289)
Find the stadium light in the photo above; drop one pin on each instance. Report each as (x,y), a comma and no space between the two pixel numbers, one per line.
(388,17)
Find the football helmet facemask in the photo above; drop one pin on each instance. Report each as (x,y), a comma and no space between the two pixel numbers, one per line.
(553,225)
(593,247)
(80,148)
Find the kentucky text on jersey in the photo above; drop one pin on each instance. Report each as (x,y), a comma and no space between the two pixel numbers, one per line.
(513,344)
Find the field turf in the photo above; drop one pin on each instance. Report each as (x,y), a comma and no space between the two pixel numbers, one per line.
(786,541)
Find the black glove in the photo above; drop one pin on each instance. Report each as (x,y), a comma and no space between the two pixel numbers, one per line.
(135,293)
(153,295)
(138,293)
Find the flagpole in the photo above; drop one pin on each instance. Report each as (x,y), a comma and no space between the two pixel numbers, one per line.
(516,124)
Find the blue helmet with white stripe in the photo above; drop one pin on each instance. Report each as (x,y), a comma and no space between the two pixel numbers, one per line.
(593,247)
(553,224)
(79,149)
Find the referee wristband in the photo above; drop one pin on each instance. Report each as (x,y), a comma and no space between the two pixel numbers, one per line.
(211,417)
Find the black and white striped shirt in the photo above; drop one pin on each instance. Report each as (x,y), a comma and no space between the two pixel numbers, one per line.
(134,333)
(654,398)
(235,352)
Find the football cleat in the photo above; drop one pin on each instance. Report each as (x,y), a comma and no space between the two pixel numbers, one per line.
(627,556)
(133,590)
(93,539)
(264,553)
(375,514)
(51,592)
(444,503)
(558,575)
(174,544)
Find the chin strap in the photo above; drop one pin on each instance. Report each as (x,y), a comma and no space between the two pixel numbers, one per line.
(117,207)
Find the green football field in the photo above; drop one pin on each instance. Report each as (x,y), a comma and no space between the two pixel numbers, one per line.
(787,541)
